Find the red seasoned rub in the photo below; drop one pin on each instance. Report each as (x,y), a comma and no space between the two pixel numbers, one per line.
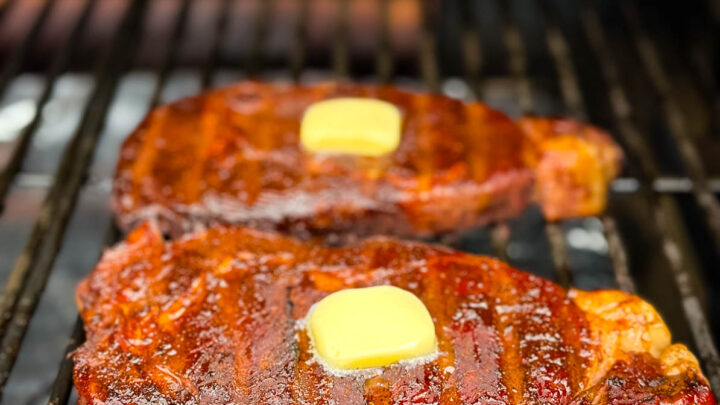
(211,319)
(232,156)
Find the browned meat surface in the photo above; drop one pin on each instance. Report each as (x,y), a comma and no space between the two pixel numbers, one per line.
(211,319)
(233,156)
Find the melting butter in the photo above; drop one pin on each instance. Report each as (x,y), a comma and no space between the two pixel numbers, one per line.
(371,327)
(356,126)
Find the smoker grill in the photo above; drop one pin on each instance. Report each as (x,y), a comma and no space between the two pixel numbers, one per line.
(77,75)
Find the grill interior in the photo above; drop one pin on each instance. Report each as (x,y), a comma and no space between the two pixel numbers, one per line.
(77,75)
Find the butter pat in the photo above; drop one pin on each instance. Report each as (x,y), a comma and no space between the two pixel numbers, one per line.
(371,327)
(357,126)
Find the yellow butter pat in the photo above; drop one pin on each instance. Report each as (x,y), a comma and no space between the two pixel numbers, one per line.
(371,327)
(357,126)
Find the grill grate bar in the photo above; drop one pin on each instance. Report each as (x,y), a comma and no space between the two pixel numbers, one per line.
(676,121)
(32,269)
(219,35)
(572,98)
(58,65)
(499,240)
(618,255)
(662,184)
(262,22)
(298,56)
(471,52)
(690,301)
(171,55)
(62,386)
(429,69)
(665,210)
(556,237)
(257,52)
(340,58)
(518,69)
(16,60)
(384,60)
(567,77)
(702,59)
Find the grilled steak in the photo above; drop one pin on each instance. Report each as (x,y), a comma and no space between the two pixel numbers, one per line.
(212,319)
(233,156)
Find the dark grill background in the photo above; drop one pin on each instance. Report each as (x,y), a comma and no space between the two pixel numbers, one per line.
(77,75)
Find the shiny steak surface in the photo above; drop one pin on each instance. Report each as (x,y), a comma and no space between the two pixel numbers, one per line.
(213,318)
(233,156)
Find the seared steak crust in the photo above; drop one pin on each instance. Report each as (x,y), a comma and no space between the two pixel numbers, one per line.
(212,319)
(232,156)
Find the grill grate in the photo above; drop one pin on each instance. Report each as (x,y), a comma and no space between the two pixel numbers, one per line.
(606,62)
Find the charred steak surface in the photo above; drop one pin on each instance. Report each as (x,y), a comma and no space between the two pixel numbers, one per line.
(233,156)
(212,319)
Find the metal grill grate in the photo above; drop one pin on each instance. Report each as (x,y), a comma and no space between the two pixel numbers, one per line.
(625,65)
